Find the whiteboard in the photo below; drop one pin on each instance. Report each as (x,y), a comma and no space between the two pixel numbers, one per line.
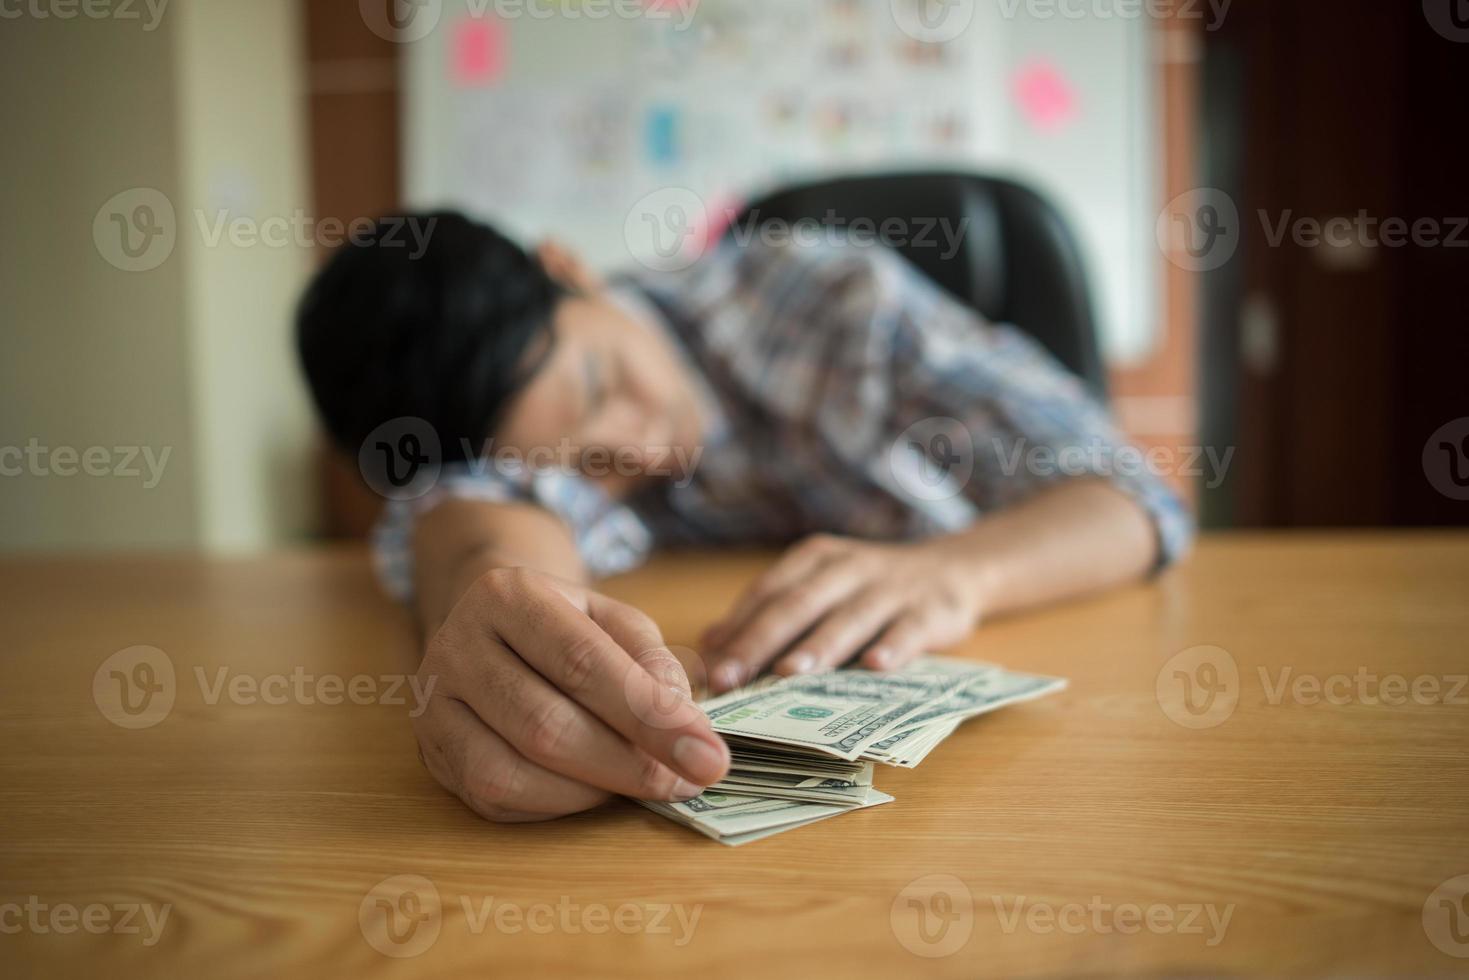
(549,121)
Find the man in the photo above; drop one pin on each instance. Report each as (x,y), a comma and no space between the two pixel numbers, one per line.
(770,394)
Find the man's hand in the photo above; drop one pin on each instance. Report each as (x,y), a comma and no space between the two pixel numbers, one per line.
(549,697)
(829,599)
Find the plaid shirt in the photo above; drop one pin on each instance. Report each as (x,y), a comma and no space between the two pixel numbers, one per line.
(848,395)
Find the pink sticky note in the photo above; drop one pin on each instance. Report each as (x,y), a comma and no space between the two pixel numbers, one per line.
(478,51)
(1046,98)
(710,221)
(719,215)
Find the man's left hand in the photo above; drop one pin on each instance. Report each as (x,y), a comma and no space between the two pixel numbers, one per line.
(830,599)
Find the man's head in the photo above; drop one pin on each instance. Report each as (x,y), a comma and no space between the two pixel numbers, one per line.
(484,341)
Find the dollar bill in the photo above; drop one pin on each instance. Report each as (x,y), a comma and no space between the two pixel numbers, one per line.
(840,790)
(736,820)
(837,714)
(803,749)
(983,693)
(874,798)
(842,714)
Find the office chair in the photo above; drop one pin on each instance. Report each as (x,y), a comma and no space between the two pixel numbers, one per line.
(1017,263)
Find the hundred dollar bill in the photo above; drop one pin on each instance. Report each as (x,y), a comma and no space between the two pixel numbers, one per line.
(803,748)
(755,756)
(797,776)
(983,693)
(797,786)
(723,814)
(914,748)
(842,714)
(837,714)
(735,820)
(874,798)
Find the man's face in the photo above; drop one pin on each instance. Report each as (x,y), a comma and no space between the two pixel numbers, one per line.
(612,401)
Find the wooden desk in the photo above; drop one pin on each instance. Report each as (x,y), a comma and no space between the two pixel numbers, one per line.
(1320,829)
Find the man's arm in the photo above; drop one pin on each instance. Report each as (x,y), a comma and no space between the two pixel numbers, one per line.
(829,598)
(457,542)
(1075,538)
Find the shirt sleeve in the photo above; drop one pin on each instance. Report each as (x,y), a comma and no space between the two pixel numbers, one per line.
(609,536)
(894,367)
(1031,423)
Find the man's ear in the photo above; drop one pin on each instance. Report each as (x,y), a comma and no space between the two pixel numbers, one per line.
(567,268)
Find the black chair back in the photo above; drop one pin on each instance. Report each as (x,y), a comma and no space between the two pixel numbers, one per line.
(1016,260)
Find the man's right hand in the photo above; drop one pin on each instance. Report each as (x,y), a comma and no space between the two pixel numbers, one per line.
(549,697)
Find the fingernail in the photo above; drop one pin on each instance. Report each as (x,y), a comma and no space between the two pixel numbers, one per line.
(882,658)
(683,791)
(699,758)
(802,662)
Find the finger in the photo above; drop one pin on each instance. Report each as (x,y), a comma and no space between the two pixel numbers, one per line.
(566,266)
(900,644)
(635,631)
(480,768)
(780,622)
(544,725)
(796,564)
(581,660)
(840,636)
(554,258)
(668,702)
(799,561)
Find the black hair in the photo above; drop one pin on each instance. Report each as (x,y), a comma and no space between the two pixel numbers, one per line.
(431,315)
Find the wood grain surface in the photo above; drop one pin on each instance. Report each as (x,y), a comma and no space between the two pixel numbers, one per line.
(1093,832)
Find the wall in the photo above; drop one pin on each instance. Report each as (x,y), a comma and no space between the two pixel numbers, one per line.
(569,125)
(242,119)
(178,352)
(90,355)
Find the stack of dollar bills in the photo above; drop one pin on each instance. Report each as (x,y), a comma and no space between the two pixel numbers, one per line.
(803,748)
